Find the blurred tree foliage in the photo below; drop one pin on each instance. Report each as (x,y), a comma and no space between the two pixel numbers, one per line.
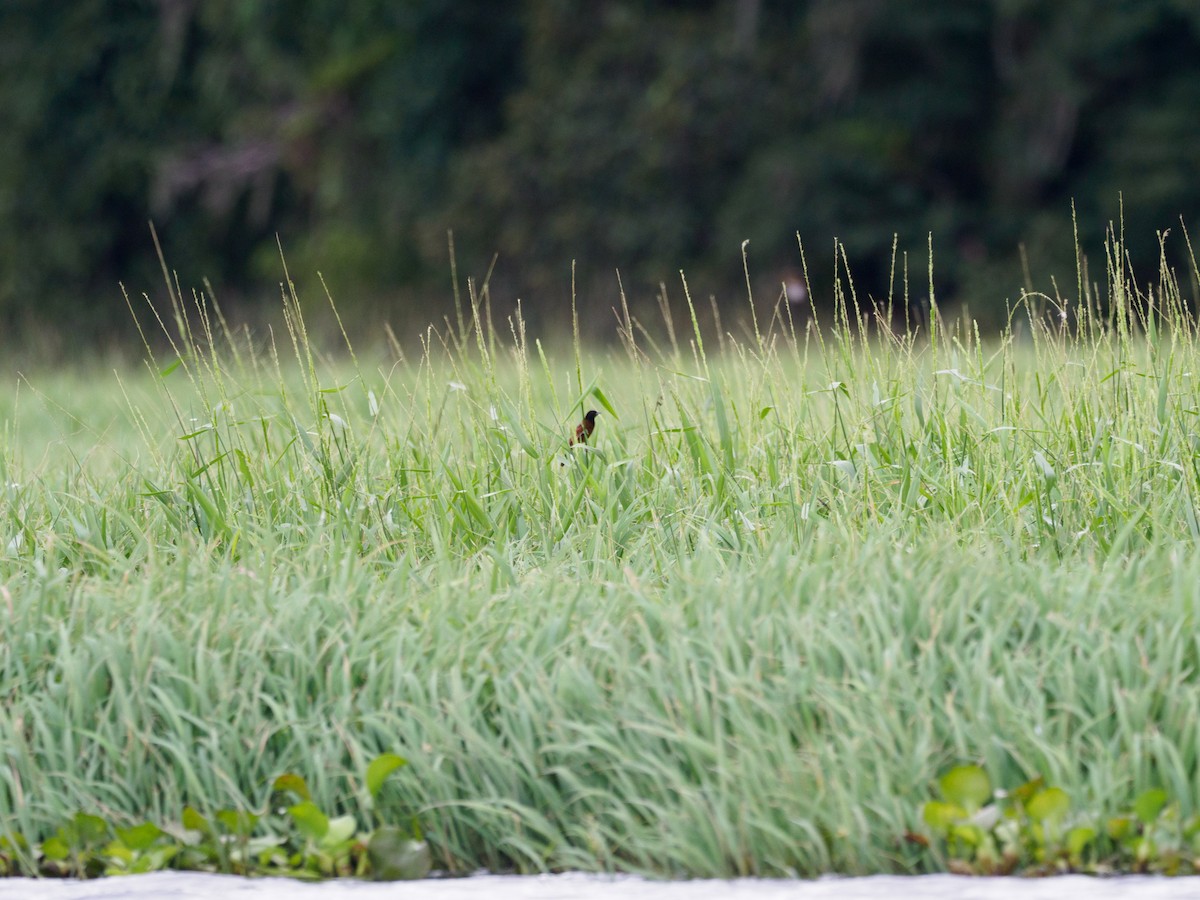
(647,136)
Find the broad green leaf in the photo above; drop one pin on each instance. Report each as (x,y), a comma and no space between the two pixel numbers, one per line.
(379,769)
(1191,827)
(1025,792)
(1120,827)
(119,853)
(90,829)
(271,854)
(309,819)
(236,821)
(340,829)
(1052,803)
(968,834)
(394,856)
(986,817)
(139,837)
(293,783)
(940,816)
(1149,804)
(1144,849)
(193,821)
(1078,838)
(55,848)
(968,786)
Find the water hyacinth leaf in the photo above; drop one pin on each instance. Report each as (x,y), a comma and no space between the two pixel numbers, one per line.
(291,783)
(236,821)
(1144,850)
(1191,827)
(313,823)
(968,834)
(1149,804)
(55,848)
(339,830)
(1120,827)
(154,861)
(139,837)
(379,770)
(89,829)
(967,786)
(394,856)
(266,847)
(986,817)
(118,855)
(193,821)
(941,816)
(1050,804)
(1078,838)
(1025,792)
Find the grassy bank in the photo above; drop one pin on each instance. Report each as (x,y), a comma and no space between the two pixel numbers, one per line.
(791,580)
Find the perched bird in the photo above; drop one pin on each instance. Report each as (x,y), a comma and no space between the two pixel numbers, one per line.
(584,429)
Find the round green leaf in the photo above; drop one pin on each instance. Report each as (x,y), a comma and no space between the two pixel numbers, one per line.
(1078,838)
(380,768)
(193,821)
(55,848)
(309,819)
(394,856)
(90,829)
(968,786)
(236,821)
(987,817)
(968,834)
(293,783)
(1052,803)
(1025,792)
(940,816)
(139,837)
(340,829)
(1120,827)
(1149,804)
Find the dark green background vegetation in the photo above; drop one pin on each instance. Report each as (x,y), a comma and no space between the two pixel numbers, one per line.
(641,135)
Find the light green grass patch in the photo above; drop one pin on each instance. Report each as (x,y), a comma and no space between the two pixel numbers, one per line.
(742,631)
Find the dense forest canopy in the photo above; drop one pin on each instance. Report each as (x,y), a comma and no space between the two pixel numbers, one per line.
(644,136)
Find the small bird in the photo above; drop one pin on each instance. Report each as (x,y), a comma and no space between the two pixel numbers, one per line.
(584,429)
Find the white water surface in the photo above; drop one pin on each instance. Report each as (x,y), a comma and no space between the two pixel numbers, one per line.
(571,886)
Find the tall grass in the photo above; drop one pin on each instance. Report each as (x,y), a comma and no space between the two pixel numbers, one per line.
(792,578)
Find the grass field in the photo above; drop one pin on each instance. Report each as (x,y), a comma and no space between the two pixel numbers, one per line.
(794,577)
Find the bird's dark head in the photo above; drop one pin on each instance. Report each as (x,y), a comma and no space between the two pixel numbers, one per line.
(590,416)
